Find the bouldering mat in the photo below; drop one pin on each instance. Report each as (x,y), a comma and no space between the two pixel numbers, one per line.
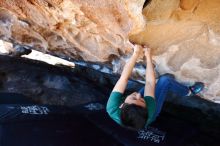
(31,124)
(44,125)
(166,131)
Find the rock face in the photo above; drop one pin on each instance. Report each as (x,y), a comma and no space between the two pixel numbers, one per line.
(45,83)
(56,84)
(184,35)
(90,30)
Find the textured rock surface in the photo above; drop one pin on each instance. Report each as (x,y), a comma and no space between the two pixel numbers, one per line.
(58,85)
(45,83)
(185,34)
(89,30)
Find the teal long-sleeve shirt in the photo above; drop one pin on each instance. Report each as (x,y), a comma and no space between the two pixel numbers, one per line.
(116,99)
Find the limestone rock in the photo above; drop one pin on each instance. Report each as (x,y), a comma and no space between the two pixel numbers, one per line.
(88,30)
(185,37)
(134,9)
(188,5)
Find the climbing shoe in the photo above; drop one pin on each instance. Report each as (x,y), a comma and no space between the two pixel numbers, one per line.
(196,88)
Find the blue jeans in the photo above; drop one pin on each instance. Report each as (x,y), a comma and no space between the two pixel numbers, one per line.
(164,85)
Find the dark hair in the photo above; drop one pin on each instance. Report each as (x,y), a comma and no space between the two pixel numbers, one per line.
(133,116)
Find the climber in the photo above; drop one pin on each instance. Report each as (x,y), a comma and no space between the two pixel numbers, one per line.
(141,108)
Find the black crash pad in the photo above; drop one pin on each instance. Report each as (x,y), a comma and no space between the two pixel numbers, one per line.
(44,125)
(35,128)
(166,131)
(30,124)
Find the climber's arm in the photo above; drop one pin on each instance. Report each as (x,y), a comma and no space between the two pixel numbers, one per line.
(115,99)
(123,80)
(150,75)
